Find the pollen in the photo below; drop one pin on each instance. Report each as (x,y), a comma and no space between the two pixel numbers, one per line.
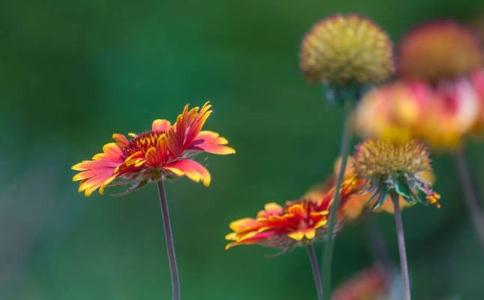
(346,49)
(142,142)
(377,158)
(439,50)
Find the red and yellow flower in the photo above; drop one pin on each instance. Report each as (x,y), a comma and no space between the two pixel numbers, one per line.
(166,150)
(296,223)
(439,94)
(441,115)
(449,116)
(392,112)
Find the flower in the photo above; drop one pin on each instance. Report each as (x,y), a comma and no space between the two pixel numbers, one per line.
(296,223)
(441,115)
(392,111)
(449,115)
(280,227)
(346,49)
(439,50)
(370,284)
(398,170)
(359,202)
(438,95)
(164,151)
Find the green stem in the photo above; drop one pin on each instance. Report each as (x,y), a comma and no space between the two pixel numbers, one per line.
(401,247)
(170,244)
(471,195)
(377,244)
(329,247)
(313,259)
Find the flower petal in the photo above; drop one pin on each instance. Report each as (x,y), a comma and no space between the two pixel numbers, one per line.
(244,224)
(120,139)
(160,125)
(100,171)
(191,169)
(211,142)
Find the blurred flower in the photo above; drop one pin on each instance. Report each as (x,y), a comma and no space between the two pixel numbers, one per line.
(439,50)
(395,169)
(442,115)
(438,96)
(449,115)
(392,112)
(296,223)
(165,151)
(346,49)
(370,284)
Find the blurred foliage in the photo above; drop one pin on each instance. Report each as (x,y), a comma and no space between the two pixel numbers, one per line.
(73,72)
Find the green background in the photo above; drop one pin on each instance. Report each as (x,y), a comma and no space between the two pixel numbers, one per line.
(74,72)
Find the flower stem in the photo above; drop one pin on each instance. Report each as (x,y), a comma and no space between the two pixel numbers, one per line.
(313,259)
(377,244)
(471,195)
(401,247)
(170,245)
(328,249)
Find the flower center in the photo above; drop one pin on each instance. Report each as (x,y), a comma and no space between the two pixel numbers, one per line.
(142,143)
(377,158)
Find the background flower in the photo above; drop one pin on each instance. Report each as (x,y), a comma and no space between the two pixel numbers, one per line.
(441,115)
(439,50)
(437,97)
(346,49)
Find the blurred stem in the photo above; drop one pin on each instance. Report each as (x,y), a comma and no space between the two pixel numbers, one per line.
(377,244)
(401,247)
(170,245)
(329,247)
(313,259)
(471,195)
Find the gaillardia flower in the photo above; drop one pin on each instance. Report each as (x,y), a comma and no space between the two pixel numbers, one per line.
(398,170)
(391,112)
(165,151)
(346,50)
(449,116)
(442,115)
(280,227)
(436,98)
(299,222)
(439,50)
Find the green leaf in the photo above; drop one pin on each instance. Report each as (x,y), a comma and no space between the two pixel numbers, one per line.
(403,189)
(383,195)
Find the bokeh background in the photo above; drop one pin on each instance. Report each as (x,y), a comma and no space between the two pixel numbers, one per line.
(74,72)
